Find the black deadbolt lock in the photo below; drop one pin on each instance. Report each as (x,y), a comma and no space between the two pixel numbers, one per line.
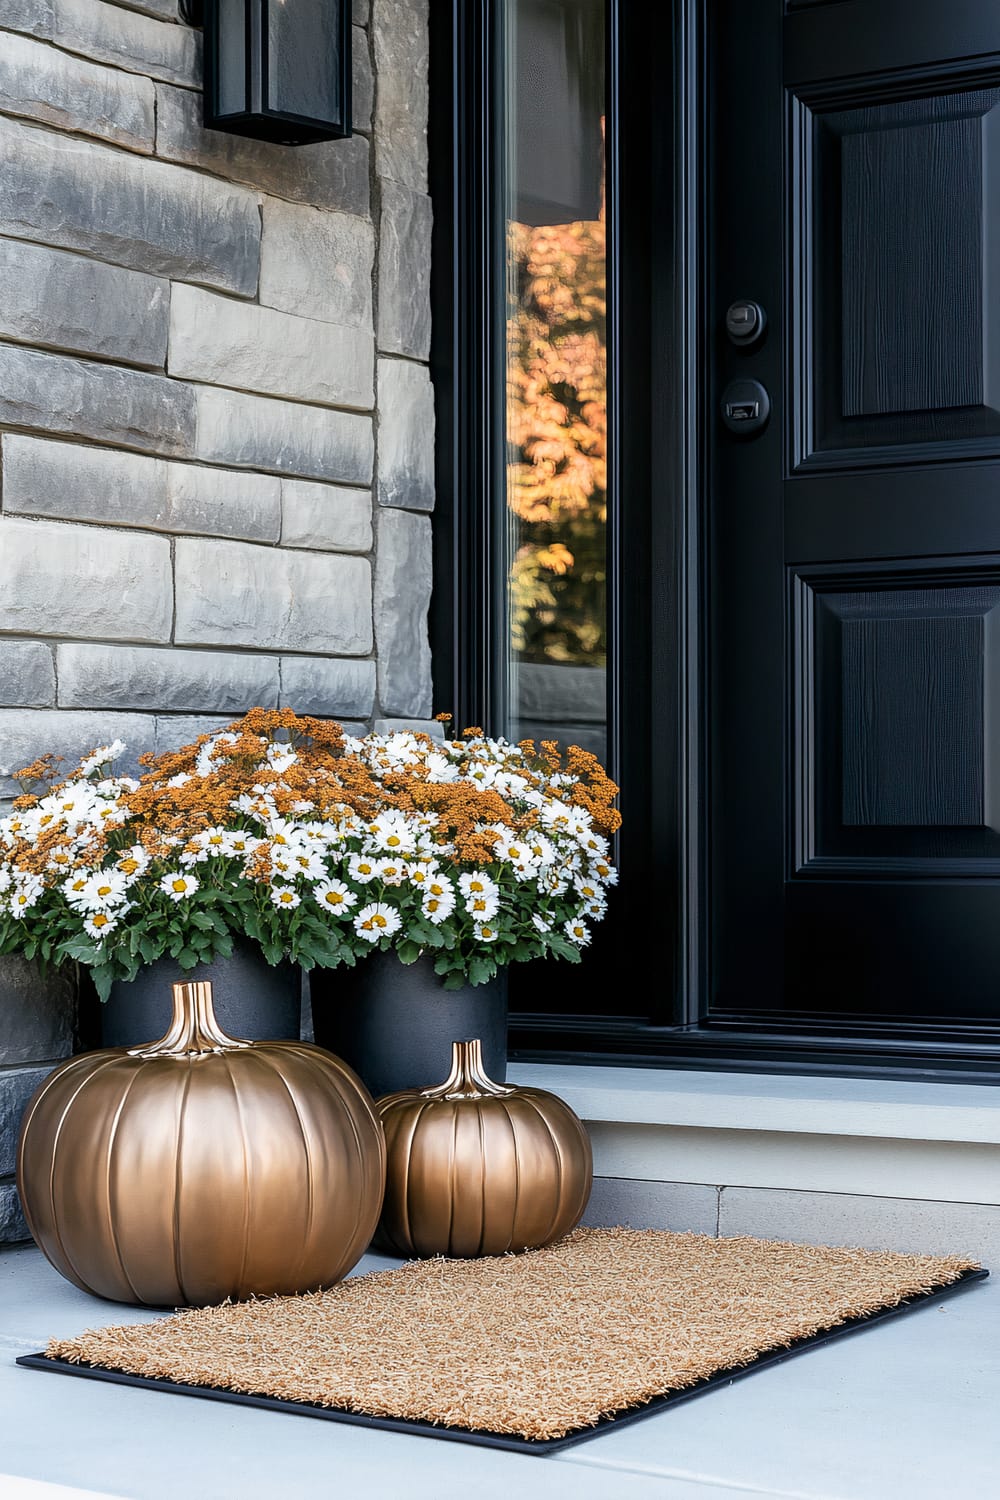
(746,407)
(745,323)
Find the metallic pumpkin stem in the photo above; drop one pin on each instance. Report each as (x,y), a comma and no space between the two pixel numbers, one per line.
(193,1030)
(468,1078)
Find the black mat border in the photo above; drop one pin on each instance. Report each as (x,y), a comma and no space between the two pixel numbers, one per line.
(510,1443)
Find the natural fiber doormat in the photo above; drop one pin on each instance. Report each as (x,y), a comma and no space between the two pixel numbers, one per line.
(528,1351)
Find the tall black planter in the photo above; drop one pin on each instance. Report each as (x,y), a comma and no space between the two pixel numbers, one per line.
(252,999)
(394,1023)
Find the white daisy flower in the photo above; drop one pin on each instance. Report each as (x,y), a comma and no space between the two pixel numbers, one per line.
(542,850)
(437,909)
(133,862)
(104,890)
(334,895)
(72,889)
(280,758)
(377,921)
(308,866)
(482,908)
(392,871)
(421,872)
(100,923)
(478,883)
(577,932)
(27,889)
(241,843)
(102,756)
(440,886)
(540,923)
(605,871)
(5,878)
(181,779)
(482,773)
(283,895)
(362,868)
(485,933)
(391,832)
(179,886)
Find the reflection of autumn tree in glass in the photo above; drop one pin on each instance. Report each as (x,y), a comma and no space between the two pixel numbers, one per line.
(557,426)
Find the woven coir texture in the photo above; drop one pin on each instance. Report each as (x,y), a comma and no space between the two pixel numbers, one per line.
(538,1344)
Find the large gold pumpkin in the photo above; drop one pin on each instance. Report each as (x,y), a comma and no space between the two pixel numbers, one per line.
(476,1168)
(201,1167)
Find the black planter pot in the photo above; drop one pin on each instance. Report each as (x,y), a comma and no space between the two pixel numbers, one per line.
(394,1023)
(252,999)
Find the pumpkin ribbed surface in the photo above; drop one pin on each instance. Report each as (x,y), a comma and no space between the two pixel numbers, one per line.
(473,1168)
(186,1178)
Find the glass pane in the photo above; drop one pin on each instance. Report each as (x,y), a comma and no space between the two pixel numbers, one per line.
(303,57)
(556,521)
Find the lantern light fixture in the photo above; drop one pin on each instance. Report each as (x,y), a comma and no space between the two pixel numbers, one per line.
(276,70)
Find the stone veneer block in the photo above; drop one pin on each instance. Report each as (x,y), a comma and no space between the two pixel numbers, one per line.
(233,594)
(13,1225)
(404,272)
(60,580)
(429,727)
(329,174)
(363,82)
(25,734)
(47,85)
(327,687)
(38,1010)
(359,12)
(255,432)
(16,1087)
(128,209)
(405,435)
(27,675)
(52,298)
(176,730)
(128,40)
(222,342)
(78,483)
(222,502)
(400,40)
(33,16)
(326,517)
(403,577)
(99,676)
(97,401)
(164,10)
(316,263)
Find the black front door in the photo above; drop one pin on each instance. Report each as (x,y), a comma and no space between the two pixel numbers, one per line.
(854,575)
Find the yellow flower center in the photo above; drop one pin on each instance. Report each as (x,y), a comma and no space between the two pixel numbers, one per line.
(178,885)
(129,866)
(100,920)
(334,898)
(104,890)
(393,841)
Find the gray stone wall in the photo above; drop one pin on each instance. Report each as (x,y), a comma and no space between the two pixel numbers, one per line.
(216,416)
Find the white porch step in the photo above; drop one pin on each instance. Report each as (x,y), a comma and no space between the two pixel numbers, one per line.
(912,1166)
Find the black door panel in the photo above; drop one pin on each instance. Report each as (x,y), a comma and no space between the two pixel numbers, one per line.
(854,635)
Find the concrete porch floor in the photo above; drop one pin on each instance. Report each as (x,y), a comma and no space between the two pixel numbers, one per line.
(906,1411)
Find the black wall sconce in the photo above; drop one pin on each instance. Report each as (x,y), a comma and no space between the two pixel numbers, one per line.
(277,70)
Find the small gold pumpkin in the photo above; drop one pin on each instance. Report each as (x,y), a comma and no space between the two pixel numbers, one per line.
(201,1167)
(477,1168)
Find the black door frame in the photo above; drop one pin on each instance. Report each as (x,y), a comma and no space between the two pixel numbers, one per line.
(661,364)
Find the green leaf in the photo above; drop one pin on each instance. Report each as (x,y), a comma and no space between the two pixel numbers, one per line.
(408,952)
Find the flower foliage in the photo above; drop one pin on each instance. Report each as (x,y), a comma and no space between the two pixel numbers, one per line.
(317,845)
